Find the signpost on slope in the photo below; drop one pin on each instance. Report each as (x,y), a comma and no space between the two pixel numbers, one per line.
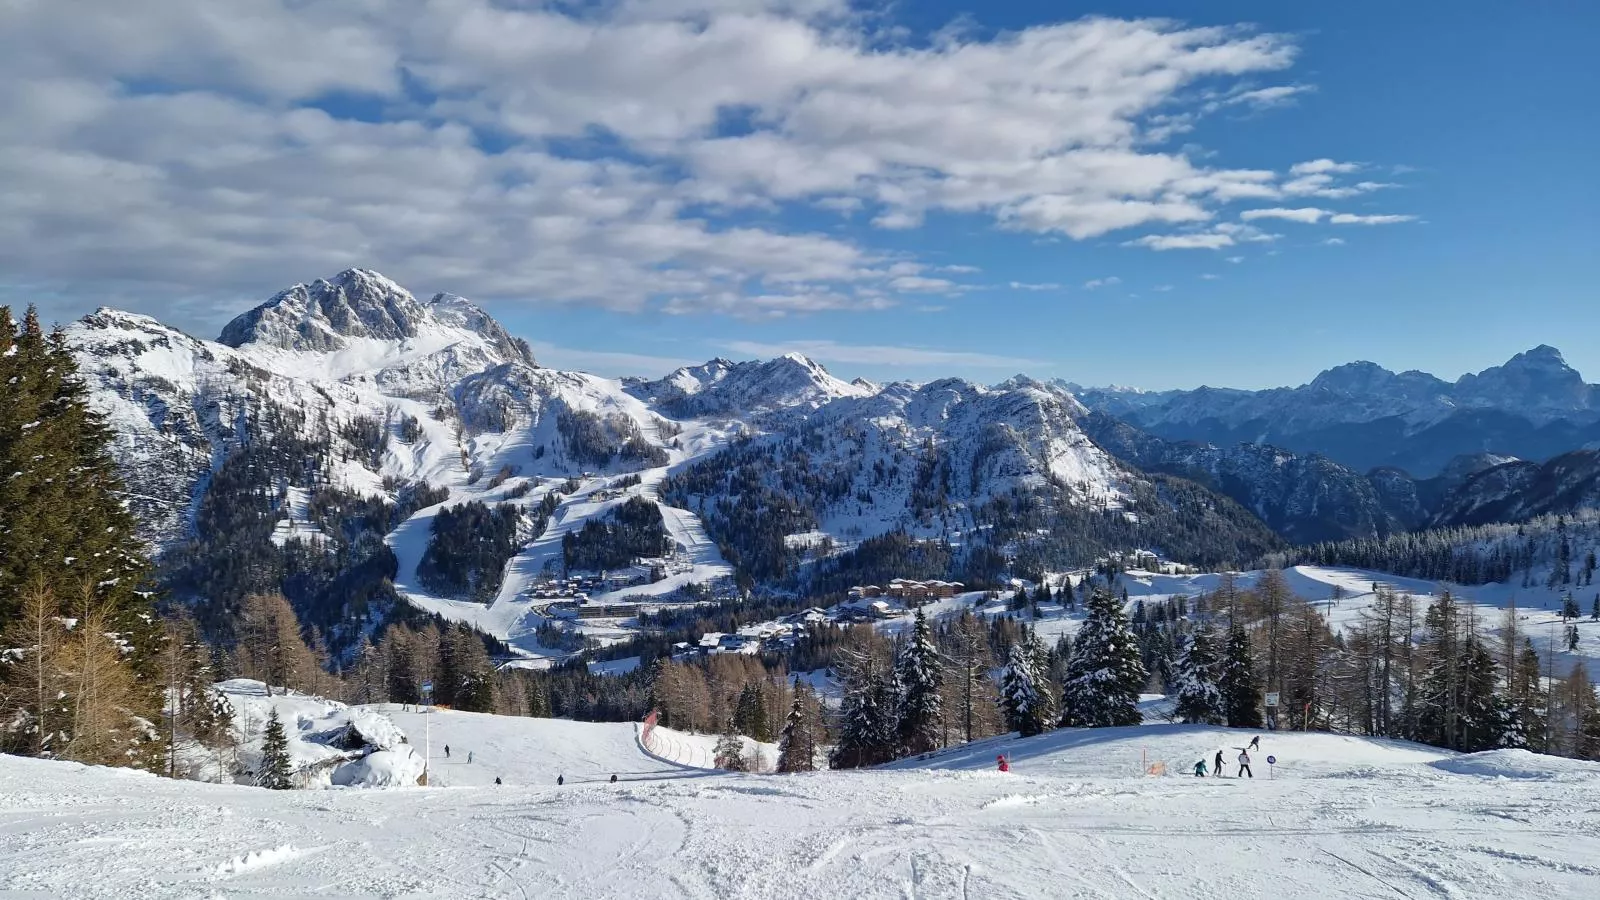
(1271,761)
(427,728)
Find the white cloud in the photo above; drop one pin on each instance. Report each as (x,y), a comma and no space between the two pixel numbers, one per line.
(1352,219)
(920,284)
(960,270)
(1108,281)
(1029,286)
(1162,288)
(1247,234)
(1234,259)
(546,152)
(1333,242)
(1323,167)
(1209,277)
(1198,241)
(1271,96)
(1308,214)
(881,355)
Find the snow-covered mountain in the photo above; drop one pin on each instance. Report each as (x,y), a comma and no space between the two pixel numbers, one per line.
(318,445)
(747,389)
(993,476)
(1517,491)
(1533,407)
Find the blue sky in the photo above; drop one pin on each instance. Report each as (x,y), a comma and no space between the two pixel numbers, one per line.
(1160,194)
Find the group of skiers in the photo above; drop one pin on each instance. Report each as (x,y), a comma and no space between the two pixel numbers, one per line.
(1217,764)
(562,779)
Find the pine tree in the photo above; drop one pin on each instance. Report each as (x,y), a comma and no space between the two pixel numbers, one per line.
(750,716)
(274,771)
(1049,700)
(1240,693)
(1199,697)
(919,674)
(1025,710)
(67,540)
(1105,674)
(868,724)
(797,743)
(730,752)
(1527,699)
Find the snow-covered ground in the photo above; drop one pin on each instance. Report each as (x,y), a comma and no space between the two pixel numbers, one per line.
(1339,817)
(513,616)
(1538,608)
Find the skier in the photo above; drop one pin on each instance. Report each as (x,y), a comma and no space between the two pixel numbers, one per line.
(469,757)
(1216,765)
(1244,765)
(613,779)
(497,779)
(1200,768)
(560,780)
(446,751)
(1003,764)
(1255,742)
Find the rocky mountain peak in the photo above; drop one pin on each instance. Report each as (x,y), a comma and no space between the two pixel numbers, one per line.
(356,303)
(451,309)
(1538,379)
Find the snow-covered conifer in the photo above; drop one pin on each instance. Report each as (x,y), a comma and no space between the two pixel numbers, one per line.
(919,675)
(1199,696)
(1105,674)
(274,771)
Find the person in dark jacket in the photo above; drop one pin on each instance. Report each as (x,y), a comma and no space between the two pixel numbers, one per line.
(1255,742)
(497,779)
(1217,764)
(613,779)
(560,780)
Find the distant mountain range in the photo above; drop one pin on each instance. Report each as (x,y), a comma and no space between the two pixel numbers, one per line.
(1533,407)
(309,448)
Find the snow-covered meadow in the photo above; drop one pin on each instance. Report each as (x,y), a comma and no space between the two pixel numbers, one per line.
(1076,817)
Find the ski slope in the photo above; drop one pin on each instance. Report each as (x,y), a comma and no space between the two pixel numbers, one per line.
(522,751)
(1342,817)
(512,616)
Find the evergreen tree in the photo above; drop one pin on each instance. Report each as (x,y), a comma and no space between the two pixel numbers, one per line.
(1240,693)
(1040,656)
(730,753)
(1105,674)
(1199,696)
(750,716)
(918,674)
(1020,696)
(797,743)
(1527,699)
(68,542)
(274,771)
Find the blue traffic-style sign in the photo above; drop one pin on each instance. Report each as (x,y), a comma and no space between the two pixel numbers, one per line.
(1272,760)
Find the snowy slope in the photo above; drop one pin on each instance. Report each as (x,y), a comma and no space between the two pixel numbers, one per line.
(1342,818)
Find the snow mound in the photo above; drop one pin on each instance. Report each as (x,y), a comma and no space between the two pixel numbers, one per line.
(1519,764)
(257,859)
(400,767)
